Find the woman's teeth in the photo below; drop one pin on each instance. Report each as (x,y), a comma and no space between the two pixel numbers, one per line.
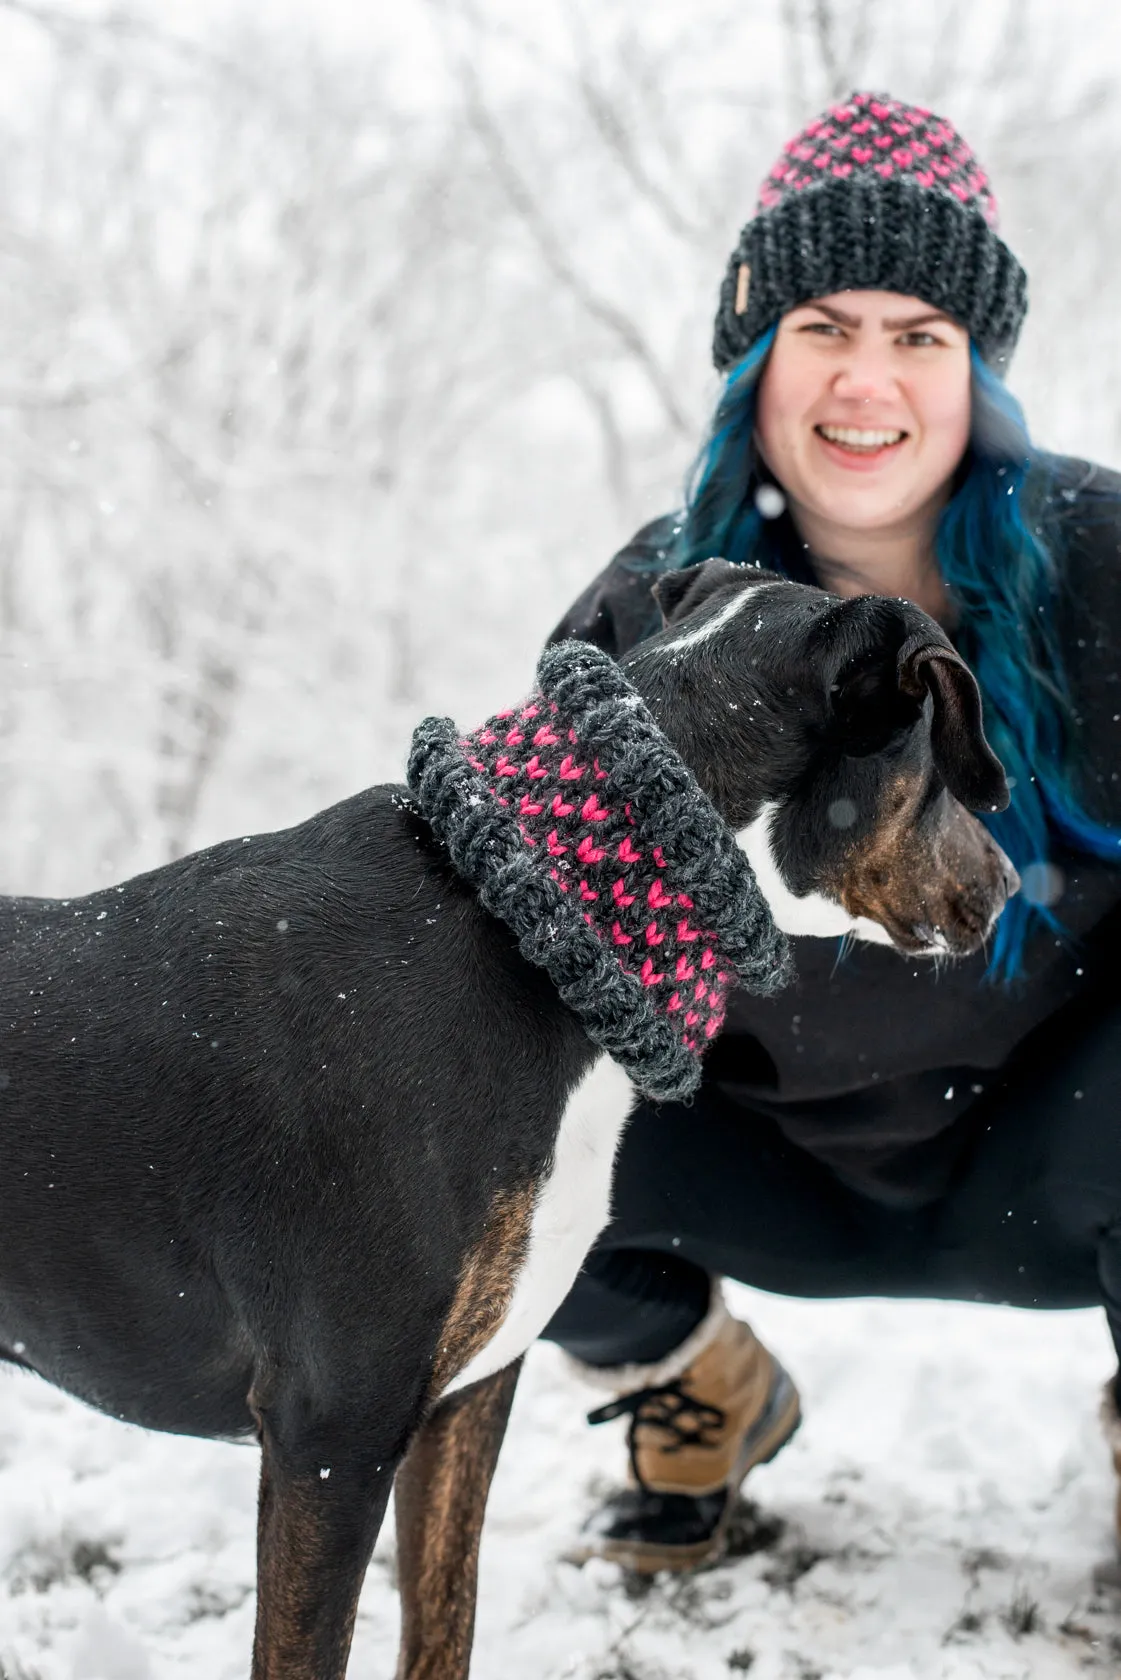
(855,437)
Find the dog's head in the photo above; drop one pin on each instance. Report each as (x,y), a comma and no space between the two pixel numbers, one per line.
(842,740)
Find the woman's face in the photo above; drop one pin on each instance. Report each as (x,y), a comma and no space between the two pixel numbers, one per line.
(864,408)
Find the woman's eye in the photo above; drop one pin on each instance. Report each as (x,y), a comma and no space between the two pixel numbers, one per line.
(920,339)
(829,327)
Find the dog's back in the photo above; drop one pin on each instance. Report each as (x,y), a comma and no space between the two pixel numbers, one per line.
(306,1055)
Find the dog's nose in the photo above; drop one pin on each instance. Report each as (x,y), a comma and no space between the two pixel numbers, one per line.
(1005,878)
(1009,877)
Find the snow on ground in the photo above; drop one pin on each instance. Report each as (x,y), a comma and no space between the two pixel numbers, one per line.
(938,1517)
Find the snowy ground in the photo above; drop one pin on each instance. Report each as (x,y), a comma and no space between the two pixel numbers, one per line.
(937,1518)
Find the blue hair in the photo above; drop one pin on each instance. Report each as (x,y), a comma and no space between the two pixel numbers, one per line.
(722,517)
(993,551)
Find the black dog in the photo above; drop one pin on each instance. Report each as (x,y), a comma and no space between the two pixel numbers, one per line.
(297,1142)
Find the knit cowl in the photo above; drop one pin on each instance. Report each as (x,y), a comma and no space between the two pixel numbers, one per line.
(583,830)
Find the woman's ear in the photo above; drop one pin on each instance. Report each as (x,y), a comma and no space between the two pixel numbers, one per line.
(680,593)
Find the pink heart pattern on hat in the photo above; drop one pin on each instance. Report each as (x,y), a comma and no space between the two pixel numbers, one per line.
(874,135)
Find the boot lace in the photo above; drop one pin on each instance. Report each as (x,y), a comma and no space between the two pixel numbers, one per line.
(668,1408)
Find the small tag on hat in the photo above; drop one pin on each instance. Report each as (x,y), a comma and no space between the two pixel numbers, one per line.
(743,284)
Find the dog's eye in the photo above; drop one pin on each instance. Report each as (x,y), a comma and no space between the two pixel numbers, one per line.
(875,738)
(868,706)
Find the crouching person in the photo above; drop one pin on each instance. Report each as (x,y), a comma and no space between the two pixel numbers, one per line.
(886,1126)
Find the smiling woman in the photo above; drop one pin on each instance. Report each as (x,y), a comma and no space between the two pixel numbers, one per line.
(886,1127)
(863,416)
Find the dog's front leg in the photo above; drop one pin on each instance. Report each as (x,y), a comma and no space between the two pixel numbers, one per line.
(440,1497)
(321,1507)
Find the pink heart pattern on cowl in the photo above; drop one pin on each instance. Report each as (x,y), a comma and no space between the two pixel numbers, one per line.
(625,891)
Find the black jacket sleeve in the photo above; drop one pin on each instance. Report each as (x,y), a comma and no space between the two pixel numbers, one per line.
(1088,608)
(617,609)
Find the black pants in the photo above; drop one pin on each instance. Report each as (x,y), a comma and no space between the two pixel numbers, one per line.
(1032,1216)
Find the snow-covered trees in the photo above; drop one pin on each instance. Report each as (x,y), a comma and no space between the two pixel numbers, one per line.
(329,371)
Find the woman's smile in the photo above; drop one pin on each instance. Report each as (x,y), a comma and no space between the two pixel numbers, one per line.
(860,448)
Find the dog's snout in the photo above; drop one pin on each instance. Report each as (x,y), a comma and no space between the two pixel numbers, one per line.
(939,893)
(973,910)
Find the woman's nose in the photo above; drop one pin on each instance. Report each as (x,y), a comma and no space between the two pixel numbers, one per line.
(863,377)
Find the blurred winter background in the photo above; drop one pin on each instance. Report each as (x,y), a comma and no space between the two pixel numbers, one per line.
(339,346)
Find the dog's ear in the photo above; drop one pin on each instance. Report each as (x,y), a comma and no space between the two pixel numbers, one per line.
(965,761)
(893,656)
(682,592)
(859,641)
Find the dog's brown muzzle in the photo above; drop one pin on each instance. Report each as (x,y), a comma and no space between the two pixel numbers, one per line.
(936,889)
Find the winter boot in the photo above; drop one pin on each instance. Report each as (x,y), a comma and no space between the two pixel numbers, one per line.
(700,1419)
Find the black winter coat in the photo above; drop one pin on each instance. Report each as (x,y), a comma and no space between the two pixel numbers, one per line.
(870,1064)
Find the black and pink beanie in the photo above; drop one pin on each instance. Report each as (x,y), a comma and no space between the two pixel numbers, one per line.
(878,195)
(582,828)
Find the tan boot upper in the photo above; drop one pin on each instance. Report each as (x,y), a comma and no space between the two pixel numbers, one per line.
(697,1449)
(704,1415)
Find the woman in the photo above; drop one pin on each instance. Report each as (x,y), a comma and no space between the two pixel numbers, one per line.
(885,1127)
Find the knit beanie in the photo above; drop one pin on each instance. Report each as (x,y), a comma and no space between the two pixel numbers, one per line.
(880,196)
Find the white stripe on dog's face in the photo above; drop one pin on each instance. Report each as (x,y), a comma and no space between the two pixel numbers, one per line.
(713,626)
(812,915)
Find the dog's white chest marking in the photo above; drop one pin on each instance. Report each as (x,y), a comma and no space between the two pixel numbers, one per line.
(814,915)
(573,1204)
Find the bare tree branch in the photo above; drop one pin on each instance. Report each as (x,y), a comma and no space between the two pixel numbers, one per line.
(613,131)
(796,69)
(70,27)
(863,35)
(619,325)
(825,25)
(82,395)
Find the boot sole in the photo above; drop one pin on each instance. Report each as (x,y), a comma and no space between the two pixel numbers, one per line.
(777,1424)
